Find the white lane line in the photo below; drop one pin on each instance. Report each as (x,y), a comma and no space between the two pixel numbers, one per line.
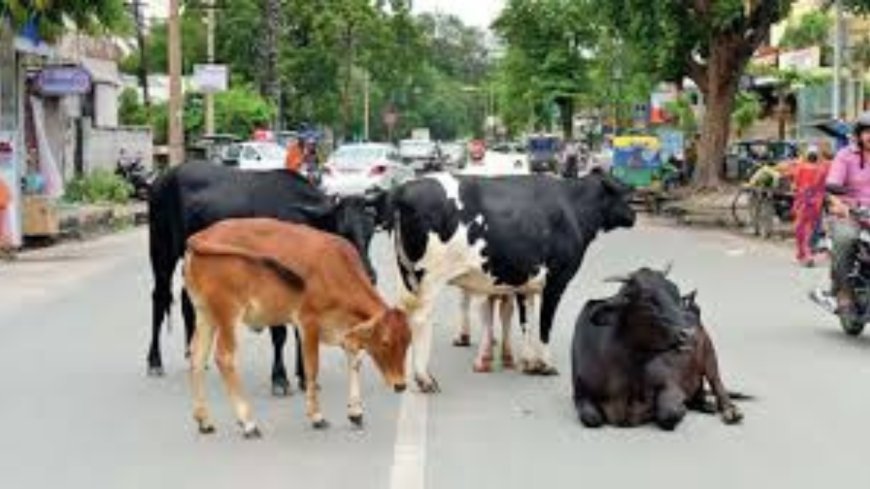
(409,452)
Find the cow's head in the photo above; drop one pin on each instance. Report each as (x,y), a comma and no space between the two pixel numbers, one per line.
(613,200)
(355,221)
(386,339)
(652,316)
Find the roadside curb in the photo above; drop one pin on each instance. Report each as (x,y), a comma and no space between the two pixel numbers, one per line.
(80,222)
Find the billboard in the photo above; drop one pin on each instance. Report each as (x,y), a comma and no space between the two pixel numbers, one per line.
(210,78)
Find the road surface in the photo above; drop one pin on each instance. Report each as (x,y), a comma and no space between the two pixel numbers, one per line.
(80,413)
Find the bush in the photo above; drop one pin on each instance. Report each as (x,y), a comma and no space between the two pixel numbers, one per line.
(100,186)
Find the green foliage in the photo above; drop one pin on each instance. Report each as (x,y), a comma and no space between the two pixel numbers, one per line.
(747,110)
(52,16)
(130,111)
(99,186)
(681,109)
(811,30)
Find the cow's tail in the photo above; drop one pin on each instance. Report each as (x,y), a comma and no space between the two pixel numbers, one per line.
(166,243)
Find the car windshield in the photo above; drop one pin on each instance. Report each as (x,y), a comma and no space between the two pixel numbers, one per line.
(416,148)
(358,155)
(269,151)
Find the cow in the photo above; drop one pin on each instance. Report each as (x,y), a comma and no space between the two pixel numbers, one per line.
(504,304)
(642,355)
(193,196)
(505,235)
(263,272)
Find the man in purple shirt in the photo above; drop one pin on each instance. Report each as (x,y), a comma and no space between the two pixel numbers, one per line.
(849,179)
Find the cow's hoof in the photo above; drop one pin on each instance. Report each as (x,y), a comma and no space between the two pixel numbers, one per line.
(483,367)
(251,432)
(427,384)
(548,371)
(732,415)
(156,371)
(462,340)
(507,363)
(187,353)
(281,388)
(356,420)
(320,424)
(206,429)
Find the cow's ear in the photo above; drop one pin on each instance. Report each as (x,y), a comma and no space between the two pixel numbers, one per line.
(689,299)
(607,312)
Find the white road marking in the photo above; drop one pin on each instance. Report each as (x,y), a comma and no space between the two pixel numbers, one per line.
(409,452)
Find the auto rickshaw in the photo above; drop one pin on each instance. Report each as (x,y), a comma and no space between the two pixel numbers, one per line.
(543,152)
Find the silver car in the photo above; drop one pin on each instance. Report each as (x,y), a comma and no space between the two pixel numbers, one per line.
(354,169)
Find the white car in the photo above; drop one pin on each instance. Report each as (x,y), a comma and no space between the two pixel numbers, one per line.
(354,169)
(497,164)
(255,156)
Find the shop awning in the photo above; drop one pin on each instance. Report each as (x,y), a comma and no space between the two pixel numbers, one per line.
(102,71)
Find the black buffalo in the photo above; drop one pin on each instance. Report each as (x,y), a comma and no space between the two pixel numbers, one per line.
(523,235)
(193,196)
(643,355)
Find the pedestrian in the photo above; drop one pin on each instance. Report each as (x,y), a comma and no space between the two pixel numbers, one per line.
(295,155)
(808,177)
(6,248)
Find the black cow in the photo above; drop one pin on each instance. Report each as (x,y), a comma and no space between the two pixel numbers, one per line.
(523,235)
(642,355)
(194,196)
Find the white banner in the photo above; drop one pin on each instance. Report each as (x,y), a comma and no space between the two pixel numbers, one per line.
(210,78)
(801,60)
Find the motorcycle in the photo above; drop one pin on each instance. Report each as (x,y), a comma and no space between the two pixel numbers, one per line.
(134,173)
(858,280)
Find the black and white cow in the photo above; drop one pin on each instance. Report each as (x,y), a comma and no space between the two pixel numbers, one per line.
(510,235)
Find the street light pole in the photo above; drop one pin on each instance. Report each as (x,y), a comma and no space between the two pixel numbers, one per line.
(838,61)
(176,108)
(209,96)
(366,106)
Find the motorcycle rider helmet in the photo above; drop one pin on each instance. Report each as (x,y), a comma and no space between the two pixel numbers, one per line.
(862,123)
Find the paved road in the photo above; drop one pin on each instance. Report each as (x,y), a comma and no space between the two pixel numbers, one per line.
(79,412)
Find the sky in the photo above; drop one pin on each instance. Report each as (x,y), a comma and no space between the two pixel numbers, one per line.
(478,13)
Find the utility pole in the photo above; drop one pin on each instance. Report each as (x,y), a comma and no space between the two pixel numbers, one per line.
(176,107)
(366,107)
(838,62)
(142,71)
(209,96)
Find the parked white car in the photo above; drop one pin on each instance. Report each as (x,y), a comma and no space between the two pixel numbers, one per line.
(355,168)
(256,156)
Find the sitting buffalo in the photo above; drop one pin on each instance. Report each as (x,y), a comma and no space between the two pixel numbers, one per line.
(642,355)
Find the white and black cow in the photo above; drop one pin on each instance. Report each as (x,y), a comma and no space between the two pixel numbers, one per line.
(524,235)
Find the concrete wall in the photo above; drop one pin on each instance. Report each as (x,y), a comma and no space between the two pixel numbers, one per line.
(102,146)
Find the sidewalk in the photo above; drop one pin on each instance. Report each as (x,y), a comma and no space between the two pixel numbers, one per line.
(82,220)
(718,209)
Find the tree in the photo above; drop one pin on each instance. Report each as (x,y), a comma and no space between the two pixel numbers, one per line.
(546,41)
(51,16)
(813,29)
(747,110)
(682,111)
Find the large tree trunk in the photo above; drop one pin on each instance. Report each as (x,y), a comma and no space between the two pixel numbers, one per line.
(269,79)
(723,72)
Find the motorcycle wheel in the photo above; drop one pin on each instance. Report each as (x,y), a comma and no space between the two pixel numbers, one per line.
(852,327)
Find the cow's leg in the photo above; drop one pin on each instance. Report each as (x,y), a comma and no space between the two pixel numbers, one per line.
(280,384)
(527,309)
(587,411)
(203,339)
(419,308)
(354,398)
(311,357)
(670,406)
(483,362)
(463,333)
(188,313)
(161,300)
(550,301)
(225,359)
(730,413)
(506,311)
(300,366)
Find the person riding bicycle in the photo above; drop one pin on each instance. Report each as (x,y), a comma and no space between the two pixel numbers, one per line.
(848,186)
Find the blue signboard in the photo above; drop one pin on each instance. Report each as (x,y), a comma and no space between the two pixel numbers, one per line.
(63,80)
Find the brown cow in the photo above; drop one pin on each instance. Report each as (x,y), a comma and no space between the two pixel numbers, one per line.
(262,272)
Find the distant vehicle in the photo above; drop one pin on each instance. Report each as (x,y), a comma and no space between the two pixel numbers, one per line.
(285,138)
(421,133)
(543,152)
(454,155)
(744,157)
(354,169)
(211,147)
(255,156)
(421,155)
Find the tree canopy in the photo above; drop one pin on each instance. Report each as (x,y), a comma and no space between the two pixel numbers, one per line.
(51,17)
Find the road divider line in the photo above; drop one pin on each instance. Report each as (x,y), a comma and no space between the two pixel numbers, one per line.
(409,452)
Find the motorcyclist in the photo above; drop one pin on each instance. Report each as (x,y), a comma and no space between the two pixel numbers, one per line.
(848,185)
(571,157)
